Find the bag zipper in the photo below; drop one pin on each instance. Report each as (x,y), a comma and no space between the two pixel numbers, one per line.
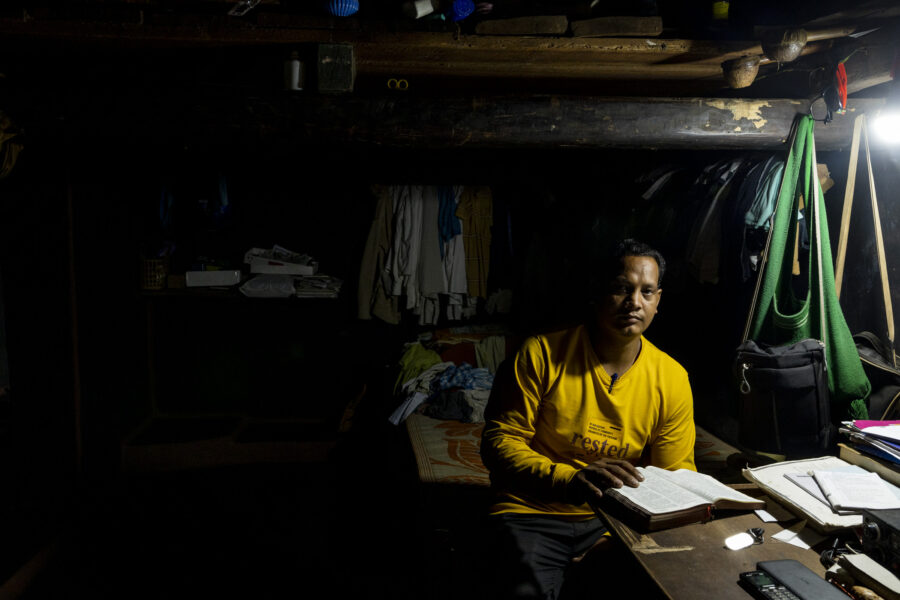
(745,383)
(890,406)
(880,367)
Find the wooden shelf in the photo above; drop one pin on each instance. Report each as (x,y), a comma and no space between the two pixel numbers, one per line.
(166,443)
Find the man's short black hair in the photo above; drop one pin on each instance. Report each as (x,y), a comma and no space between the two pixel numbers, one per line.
(633,247)
(610,265)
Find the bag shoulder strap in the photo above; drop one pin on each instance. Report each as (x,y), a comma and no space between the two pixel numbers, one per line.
(764,255)
(879,246)
(817,206)
(848,205)
(860,132)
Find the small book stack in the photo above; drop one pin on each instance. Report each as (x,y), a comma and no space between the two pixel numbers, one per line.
(873,445)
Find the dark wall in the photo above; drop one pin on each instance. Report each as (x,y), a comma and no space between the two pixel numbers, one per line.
(861,295)
(115,132)
(37,432)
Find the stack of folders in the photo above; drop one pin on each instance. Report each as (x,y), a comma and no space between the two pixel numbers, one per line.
(873,445)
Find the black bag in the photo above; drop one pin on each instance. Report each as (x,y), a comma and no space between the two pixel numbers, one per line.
(784,402)
(882,374)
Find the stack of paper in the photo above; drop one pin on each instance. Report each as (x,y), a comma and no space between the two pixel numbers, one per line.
(286,286)
(849,491)
(795,485)
(280,261)
(877,438)
(317,286)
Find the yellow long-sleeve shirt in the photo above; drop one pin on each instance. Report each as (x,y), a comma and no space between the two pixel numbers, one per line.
(559,410)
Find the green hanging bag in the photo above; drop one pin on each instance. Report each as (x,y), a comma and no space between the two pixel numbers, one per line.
(785,312)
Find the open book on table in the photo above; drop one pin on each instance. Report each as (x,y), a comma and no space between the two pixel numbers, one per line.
(671,498)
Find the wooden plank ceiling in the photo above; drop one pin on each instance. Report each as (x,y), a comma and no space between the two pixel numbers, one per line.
(440,59)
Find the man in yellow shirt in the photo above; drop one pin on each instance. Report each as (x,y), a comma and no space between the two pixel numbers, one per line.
(573,414)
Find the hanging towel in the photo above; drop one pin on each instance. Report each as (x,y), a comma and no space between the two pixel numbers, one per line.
(402,266)
(455,264)
(373,298)
(475,209)
(448,223)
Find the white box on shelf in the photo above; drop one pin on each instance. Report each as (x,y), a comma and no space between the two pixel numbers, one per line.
(212,278)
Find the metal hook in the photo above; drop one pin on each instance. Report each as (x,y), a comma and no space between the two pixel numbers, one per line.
(828,114)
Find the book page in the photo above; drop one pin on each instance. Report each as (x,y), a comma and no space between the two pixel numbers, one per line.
(705,486)
(808,483)
(855,490)
(657,495)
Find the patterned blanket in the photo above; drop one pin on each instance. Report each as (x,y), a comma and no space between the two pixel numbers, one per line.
(449,451)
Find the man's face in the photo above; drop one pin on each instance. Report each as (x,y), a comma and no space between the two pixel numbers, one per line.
(631,299)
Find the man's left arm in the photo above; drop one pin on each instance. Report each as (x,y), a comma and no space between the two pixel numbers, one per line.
(672,446)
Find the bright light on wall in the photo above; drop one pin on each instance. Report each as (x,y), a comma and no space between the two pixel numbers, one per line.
(886,126)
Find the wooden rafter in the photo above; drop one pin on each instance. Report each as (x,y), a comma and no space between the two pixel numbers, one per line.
(551,122)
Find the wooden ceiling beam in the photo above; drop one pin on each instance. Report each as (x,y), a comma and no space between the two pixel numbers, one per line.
(560,122)
(626,58)
(426,54)
(872,60)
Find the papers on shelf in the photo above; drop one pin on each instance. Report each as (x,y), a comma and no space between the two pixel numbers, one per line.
(889,432)
(286,286)
(282,273)
(280,261)
(268,286)
(317,286)
(879,438)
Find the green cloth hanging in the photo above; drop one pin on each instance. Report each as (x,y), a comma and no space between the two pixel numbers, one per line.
(782,318)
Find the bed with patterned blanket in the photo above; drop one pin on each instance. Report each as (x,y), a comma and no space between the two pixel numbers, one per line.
(448,452)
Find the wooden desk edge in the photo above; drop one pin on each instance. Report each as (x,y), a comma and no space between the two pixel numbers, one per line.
(648,552)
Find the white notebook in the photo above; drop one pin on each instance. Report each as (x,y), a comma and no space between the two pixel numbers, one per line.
(856,491)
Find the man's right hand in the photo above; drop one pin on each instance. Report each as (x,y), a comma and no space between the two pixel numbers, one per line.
(590,481)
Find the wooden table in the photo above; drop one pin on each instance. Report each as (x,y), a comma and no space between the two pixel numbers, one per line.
(692,562)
